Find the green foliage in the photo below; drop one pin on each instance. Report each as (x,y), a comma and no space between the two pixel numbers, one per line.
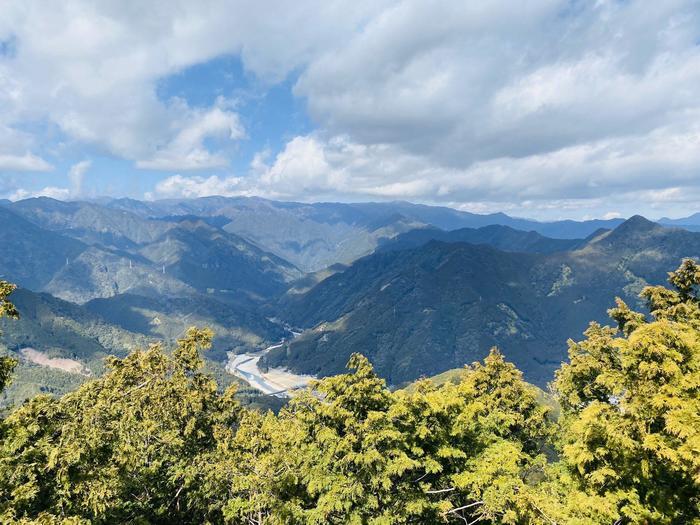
(157,440)
(632,406)
(7,309)
(7,366)
(29,380)
(120,448)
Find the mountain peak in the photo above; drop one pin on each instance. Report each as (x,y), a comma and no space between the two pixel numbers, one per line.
(633,231)
(636,223)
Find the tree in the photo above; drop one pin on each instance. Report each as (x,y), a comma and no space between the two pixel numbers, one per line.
(155,441)
(631,405)
(349,457)
(7,309)
(121,447)
(479,444)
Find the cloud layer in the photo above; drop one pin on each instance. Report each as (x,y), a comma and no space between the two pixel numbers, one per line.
(540,108)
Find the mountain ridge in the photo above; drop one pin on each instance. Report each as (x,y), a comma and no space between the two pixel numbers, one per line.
(440,305)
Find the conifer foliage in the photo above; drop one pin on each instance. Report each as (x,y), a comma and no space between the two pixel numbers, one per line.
(7,309)
(154,440)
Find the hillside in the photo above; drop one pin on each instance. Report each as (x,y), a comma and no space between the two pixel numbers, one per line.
(427,299)
(502,237)
(60,345)
(314,236)
(126,252)
(57,329)
(90,222)
(30,255)
(237,328)
(99,273)
(428,309)
(137,278)
(208,258)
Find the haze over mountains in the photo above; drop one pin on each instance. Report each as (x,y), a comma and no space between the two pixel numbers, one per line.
(418,289)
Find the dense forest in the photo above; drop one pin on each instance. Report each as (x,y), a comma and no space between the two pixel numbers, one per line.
(155,440)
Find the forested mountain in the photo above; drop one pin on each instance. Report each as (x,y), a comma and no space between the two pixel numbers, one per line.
(100,272)
(129,253)
(691,222)
(314,236)
(431,308)
(90,222)
(208,258)
(428,299)
(67,344)
(502,237)
(53,325)
(86,334)
(157,440)
(137,276)
(81,252)
(237,327)
(31,255)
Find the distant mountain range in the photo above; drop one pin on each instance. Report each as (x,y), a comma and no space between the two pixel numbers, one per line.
(502,237)
(140,275)
(419,289)
(438,304)
(691,223)
(315,236)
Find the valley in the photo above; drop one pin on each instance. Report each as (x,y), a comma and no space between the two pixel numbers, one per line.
(277,382)
(417,289)
(349,263)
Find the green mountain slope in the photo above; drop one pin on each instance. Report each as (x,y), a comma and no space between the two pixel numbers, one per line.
(98,272)
(48,323)
(64,335)
(86,251)
(502,237)
(91,222)
(441,305)
(236,328)
(29,255)
(57,329)
(208,258)
(317,235)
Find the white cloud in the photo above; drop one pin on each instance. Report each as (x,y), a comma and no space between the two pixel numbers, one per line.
(186,150)
(76,175)
(598,176)
(25,162)
(525,106)
(467,82)
(195,186)
(16,149)
(48,191)
(92,69)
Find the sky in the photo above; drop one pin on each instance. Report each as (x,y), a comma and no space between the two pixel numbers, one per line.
(546,109)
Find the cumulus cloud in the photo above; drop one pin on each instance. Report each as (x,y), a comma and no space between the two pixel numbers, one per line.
(532,107)
(462,83)
(48,191)
(92,69)
(25,162)
(186,150)
(15,149)
(76,176)
(600,176)
(195,186)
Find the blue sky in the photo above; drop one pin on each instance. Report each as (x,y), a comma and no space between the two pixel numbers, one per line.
(553,109)
(269,112)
